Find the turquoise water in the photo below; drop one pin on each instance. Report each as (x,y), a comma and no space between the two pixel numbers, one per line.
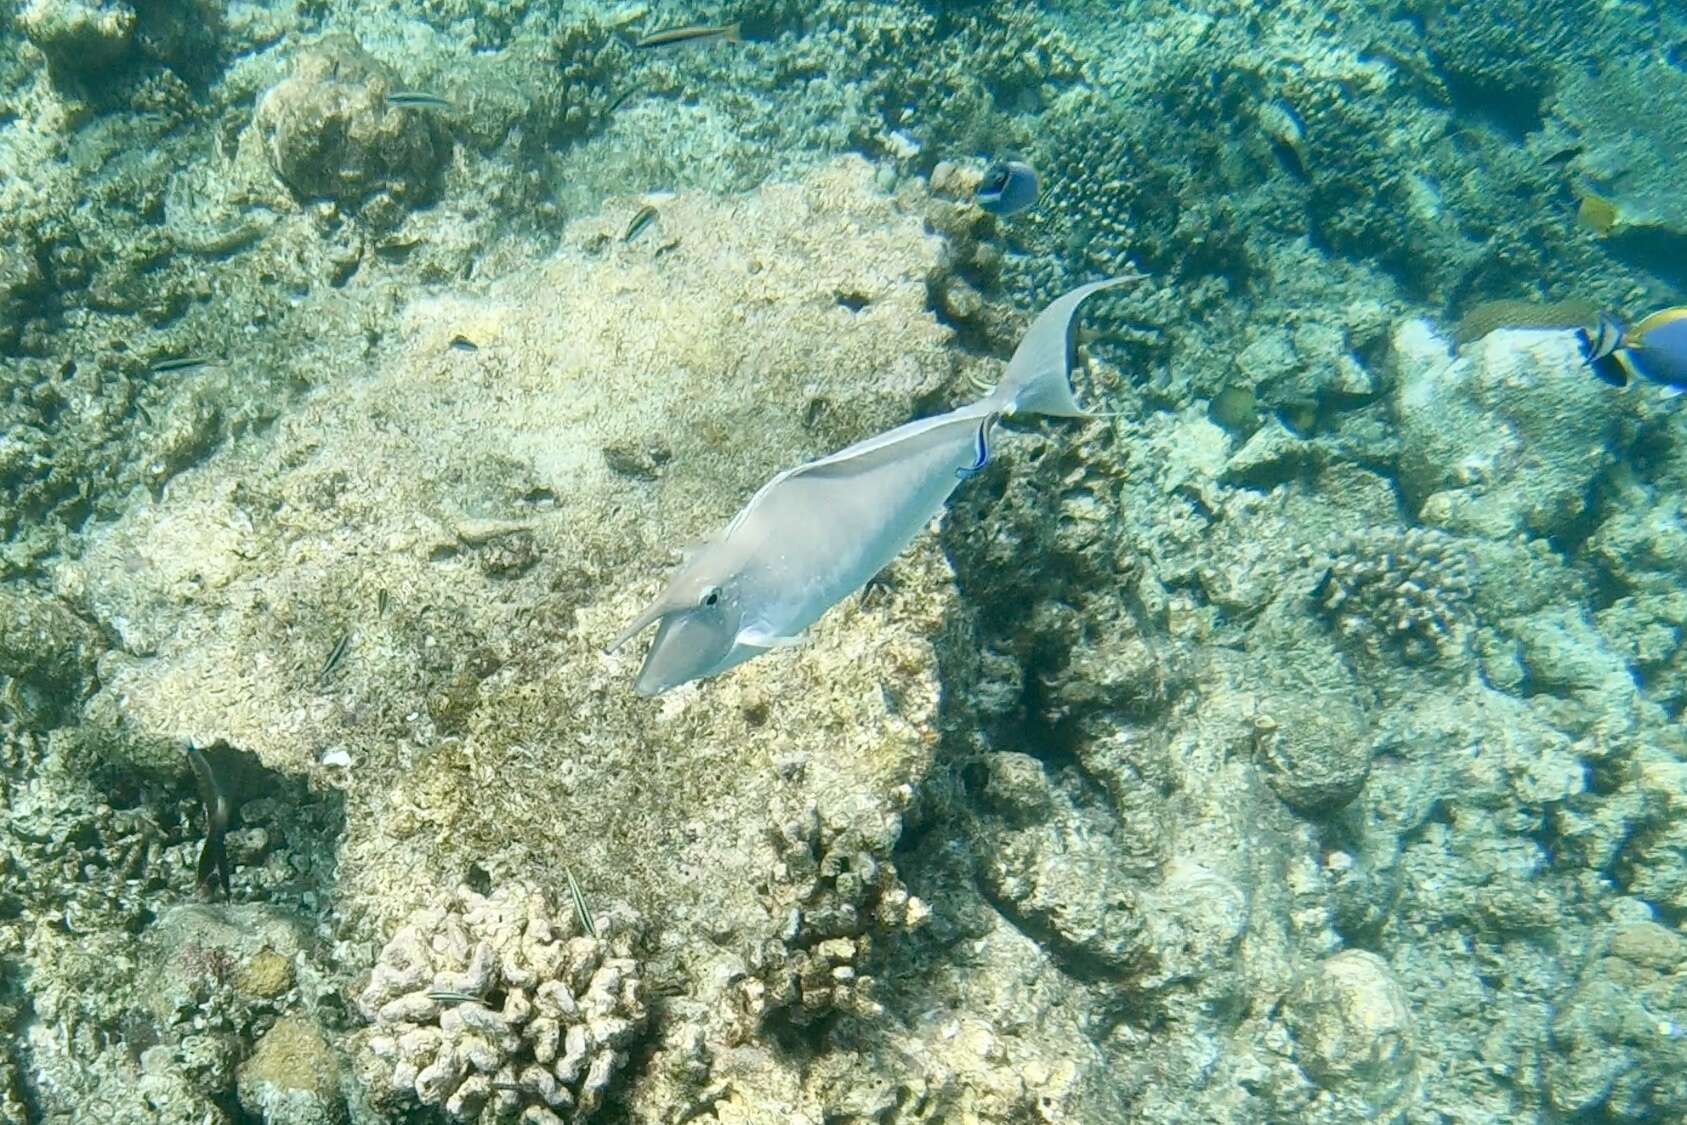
(1284,727)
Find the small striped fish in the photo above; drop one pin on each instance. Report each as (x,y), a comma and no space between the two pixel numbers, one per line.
(693,33)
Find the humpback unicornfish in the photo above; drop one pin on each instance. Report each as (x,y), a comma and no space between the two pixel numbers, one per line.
(816,533)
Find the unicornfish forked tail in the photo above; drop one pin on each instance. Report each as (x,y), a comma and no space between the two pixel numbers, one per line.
(1039,376)
(815,534)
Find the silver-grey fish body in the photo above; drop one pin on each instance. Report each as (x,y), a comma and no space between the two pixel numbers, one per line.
(808,539)
(815,534)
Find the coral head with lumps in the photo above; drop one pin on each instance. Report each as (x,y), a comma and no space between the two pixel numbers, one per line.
(833,887)
(1406,589)
(503,1006)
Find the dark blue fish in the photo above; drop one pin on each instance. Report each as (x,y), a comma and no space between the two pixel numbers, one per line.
(1654,350)
(1008,187)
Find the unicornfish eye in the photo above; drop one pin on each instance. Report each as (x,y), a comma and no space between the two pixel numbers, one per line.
(710,597)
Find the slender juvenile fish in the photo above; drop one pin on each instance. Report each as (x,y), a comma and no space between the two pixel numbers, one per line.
(646,215)
(621,98)
(463,344)
(181,363)
(814,534)
(335,656)
(692,33)
(416,99)
(219,813)
(580,910)
(446,996)
(381,602)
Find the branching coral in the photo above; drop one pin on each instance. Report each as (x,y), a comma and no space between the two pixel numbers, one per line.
(1406,589)
(491,1007)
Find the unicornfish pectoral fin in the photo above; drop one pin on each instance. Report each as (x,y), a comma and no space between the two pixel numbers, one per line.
(1039,376)
(643,621)
(761,638)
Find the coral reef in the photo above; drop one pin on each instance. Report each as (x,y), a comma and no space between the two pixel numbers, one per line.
(439,721)
(140,1000)
(501,1005)
(1301,743)
(832,890)
(1353,1036)
(1507,436)
(78,36)
(1315,749)
(1618,1035)
(47,651)
(1625,123)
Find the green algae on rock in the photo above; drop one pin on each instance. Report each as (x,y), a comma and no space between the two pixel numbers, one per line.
(47,651)
(1315,749)
(1491,316)
(1353,1034)
(77,36)
(1630,122)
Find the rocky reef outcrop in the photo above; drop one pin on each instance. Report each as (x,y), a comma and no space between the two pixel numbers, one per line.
(330,132)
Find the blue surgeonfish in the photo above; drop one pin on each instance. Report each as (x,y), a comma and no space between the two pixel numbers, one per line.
(817,533)
(1008,187)
(1653,349)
